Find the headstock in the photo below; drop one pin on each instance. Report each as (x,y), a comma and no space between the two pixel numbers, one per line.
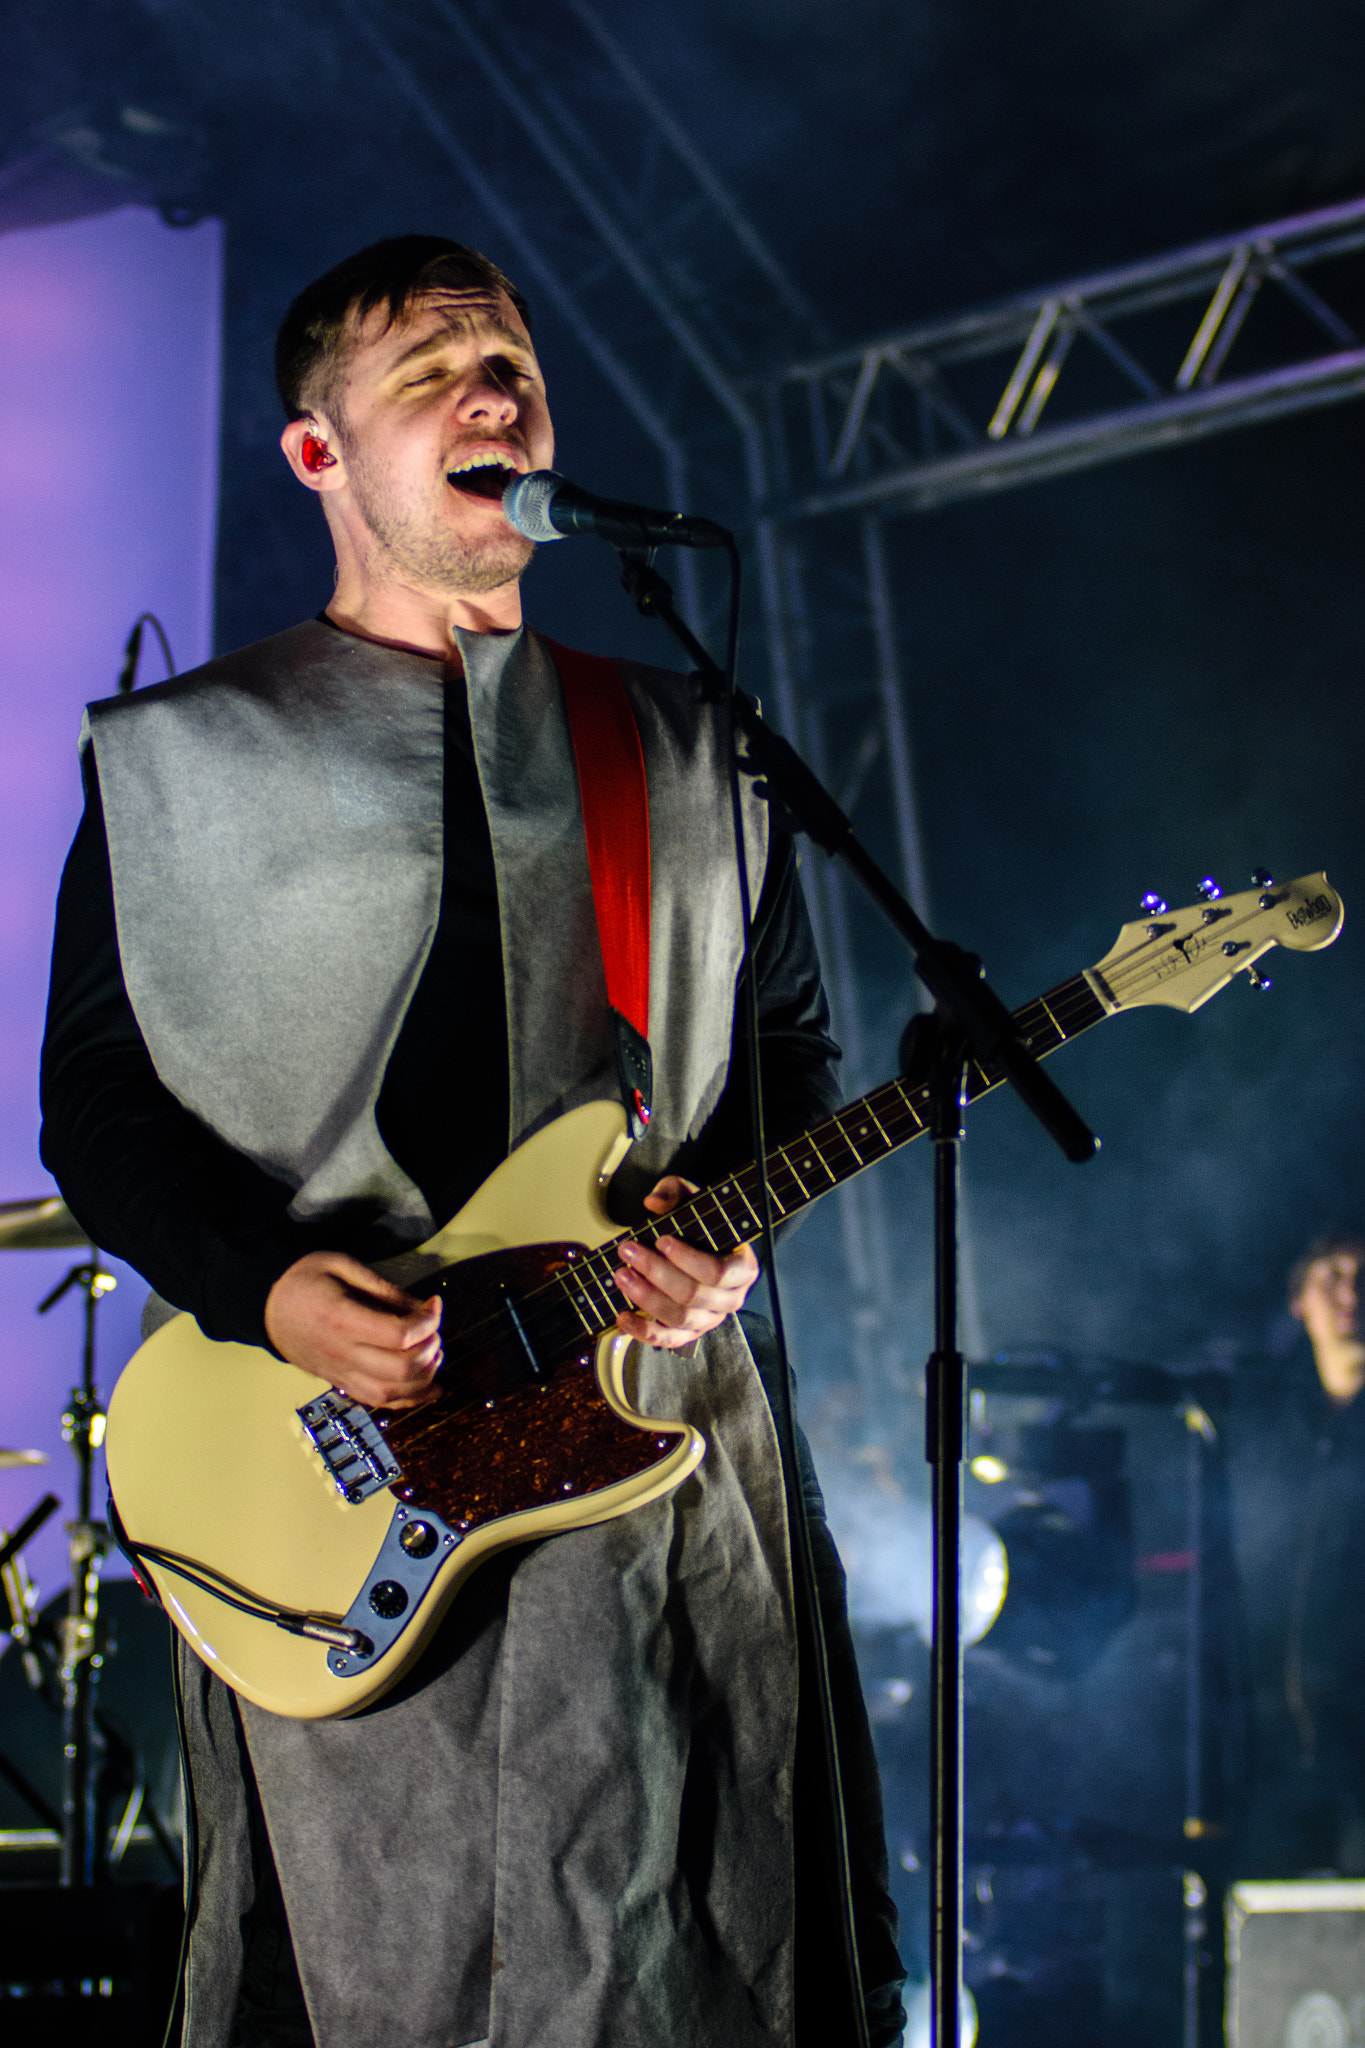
(1182,957)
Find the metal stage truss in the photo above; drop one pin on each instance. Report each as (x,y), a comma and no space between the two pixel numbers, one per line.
(1130,359)
(597,198)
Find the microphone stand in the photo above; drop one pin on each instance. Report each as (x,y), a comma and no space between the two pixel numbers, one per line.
(969,1025)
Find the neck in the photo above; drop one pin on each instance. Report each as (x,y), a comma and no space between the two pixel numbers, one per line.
(404,615)
(1341,1366)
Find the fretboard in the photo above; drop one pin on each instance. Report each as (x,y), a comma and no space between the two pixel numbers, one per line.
(729,1214)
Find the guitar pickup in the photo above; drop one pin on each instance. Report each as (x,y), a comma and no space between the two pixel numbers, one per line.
(351,1445)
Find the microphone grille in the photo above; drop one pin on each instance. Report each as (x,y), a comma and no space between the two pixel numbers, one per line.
(526,504)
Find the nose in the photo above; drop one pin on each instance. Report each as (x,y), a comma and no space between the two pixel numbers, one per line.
(487,399)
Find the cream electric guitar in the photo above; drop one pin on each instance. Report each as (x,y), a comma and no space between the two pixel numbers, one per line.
(306,1547)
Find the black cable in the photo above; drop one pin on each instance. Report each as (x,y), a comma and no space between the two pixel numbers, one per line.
(191,1865)
(132,651)
(806,1586)
(204,1576)
(259,1610)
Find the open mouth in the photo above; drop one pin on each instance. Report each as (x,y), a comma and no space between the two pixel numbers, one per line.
(481,477)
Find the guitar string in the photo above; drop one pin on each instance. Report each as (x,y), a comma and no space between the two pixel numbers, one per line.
(1059,1016)
(893,1116)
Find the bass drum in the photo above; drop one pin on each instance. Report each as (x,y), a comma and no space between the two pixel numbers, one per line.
(136,1765)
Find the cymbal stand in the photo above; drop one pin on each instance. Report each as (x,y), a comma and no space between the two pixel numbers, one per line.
(83,1429)
(19,1613)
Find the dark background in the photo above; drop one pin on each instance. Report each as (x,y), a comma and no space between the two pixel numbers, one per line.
(1119,681)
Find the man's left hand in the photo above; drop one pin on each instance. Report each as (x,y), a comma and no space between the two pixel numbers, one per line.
(678,1292)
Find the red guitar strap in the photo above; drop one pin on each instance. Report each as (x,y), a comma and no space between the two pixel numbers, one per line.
(611,781)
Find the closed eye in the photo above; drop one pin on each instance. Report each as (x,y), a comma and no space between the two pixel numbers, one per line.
(504,368)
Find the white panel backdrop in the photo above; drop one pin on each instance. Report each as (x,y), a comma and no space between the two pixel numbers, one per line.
(109,395)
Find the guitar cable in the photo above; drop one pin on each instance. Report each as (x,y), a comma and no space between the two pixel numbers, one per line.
(293,1620)
(314,1626)
(805,1585)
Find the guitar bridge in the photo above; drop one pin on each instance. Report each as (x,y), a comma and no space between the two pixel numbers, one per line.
(351,1445)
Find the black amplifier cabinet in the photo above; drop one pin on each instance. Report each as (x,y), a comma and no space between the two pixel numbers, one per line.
(1296,1964)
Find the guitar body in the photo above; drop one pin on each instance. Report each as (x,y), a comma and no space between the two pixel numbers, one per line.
(210,1462)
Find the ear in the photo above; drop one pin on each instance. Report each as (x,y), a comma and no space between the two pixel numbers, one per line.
(333,476)
(1296,1308)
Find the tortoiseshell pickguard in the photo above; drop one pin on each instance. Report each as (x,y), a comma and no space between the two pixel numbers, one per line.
(496,1441)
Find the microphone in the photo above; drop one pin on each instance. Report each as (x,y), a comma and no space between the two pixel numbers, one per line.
(546,506)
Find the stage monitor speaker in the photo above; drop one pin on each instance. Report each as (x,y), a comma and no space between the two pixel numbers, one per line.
(1296,1964)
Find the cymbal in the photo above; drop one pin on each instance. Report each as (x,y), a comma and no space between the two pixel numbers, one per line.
(8,1459)
(43,1224)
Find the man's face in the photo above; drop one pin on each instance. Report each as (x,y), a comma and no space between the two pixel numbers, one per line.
(433,415)
(1328,1303)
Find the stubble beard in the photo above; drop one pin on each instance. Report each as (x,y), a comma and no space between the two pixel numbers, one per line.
(424,552)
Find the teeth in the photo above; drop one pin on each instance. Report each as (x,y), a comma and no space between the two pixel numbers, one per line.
(478,462)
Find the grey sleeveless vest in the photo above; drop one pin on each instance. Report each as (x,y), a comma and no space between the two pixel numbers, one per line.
(576,1828)
(274,824)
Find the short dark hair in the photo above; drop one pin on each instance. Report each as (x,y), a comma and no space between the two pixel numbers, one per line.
(312,335)
(1323,1248)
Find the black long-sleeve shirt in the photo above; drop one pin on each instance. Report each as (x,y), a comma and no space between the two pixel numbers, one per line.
(207,1227)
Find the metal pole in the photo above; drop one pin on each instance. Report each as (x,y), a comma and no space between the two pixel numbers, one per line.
(83,1428)
(608,229)
(794,300)
(914,875)
(945,1432)
(508,221)
(861,1203)
(1194,1889)
(891,699)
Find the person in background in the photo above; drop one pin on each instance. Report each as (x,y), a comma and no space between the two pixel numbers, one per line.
(1298,1478)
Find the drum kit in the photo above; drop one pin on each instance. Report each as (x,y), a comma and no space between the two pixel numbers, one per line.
(62,1648)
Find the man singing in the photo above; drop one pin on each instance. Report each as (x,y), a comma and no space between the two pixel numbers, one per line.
(325,953)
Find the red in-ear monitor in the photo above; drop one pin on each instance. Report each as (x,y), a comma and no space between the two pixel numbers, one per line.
(315,455)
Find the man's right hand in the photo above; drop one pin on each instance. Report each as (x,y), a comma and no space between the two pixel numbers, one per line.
(331,1316)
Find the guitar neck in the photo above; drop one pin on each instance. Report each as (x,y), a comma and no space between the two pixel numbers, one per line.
(728,1214)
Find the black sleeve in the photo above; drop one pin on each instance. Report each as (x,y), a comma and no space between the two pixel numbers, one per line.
(798,1059)
(150,1183)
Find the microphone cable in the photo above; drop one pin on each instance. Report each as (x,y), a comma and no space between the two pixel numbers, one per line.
(805,1586)
(132,652)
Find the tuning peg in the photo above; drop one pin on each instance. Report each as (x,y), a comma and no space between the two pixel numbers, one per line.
(1263,878)
(1257,979)
(1153,905)
(1209,889)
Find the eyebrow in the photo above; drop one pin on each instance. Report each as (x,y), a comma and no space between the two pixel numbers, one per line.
(442,335)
